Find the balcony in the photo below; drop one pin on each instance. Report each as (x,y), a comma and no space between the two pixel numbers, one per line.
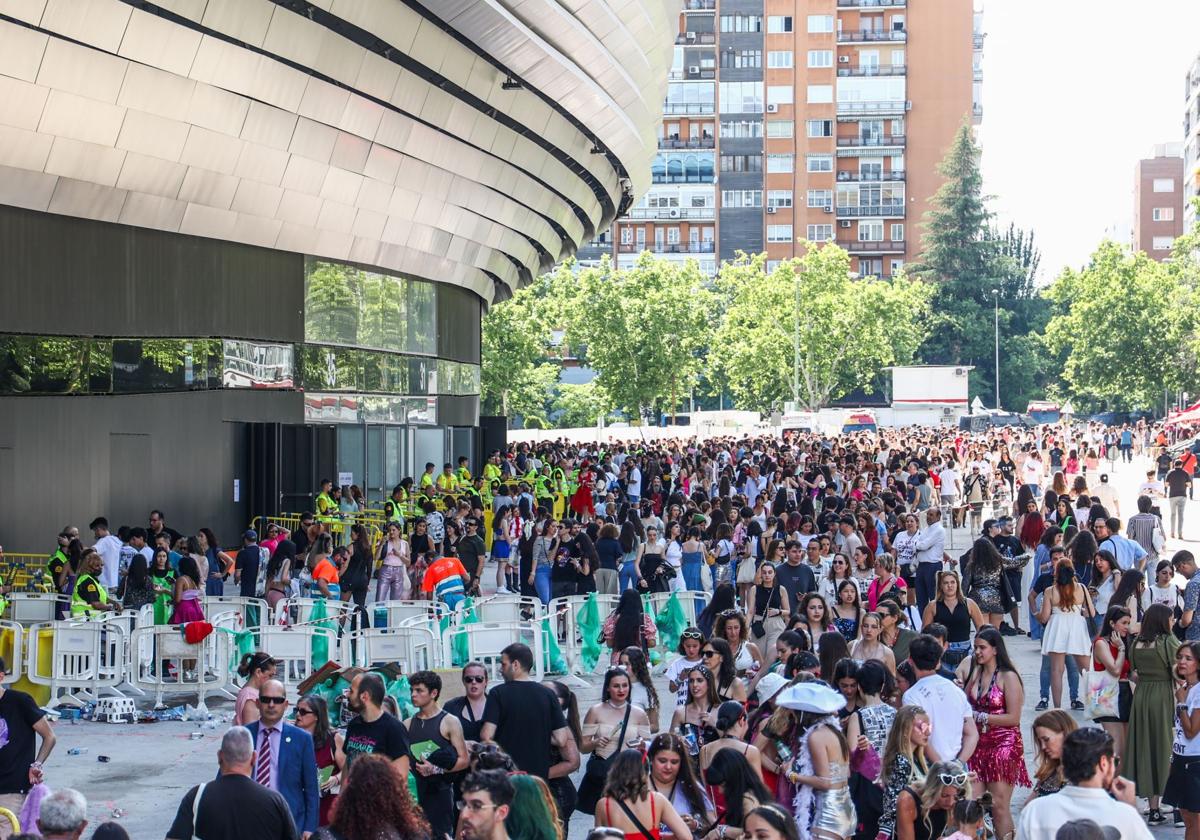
(855,108)
(882,140)
(667,248)
(858,177)
(871,4)
(977,40)
(887,210)
(871,36)
(685,38)
(686,143)
(874,70)
(687,214)
(691,74)
(699,5)
(697,108)
(976,110)
(855,247)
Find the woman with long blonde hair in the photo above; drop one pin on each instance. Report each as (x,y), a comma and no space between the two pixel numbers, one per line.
(904,761)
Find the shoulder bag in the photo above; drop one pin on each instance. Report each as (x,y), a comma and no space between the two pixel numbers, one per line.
(596,773)
(196,810)
(758,625)
(1103,692)
(633,819)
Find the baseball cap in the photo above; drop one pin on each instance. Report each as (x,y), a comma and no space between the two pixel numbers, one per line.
(251,535)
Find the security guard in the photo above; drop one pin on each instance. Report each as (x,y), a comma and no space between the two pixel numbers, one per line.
(447,482)
(89,597)
(463,473)
(4,590)
(491,470)
(425,485)
(327,508)
(393,508)
(542,489)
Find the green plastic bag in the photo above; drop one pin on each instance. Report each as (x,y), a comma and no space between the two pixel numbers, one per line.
(458,648)
(400,691)
(320,642)
(555,662)
(244,640)
(588,621)
(671,622)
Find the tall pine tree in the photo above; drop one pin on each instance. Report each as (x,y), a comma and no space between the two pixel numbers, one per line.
(966,260)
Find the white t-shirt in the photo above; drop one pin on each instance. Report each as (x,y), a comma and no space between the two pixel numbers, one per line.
(950,479)
(109,549)
(947,708)
(1184,745)
(674,670)
(1031,471)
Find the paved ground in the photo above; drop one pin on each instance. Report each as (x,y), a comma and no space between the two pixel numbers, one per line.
(152,765)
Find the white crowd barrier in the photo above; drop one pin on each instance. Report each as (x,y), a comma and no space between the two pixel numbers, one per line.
(87,659)
(412,648)
(128,622)
(14,656)
(299,610)
(165,663)
(293,646)
(36,607)
(254,611)
(562,614)
(393,613)
(507,608)
(485,640)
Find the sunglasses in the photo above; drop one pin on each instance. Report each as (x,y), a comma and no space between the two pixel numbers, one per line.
(272,701)
(954,780)
(692,634)
(708,653)
(303,712)
(474,679)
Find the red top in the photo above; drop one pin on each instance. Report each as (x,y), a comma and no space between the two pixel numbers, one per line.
(1112,649)
(636,835)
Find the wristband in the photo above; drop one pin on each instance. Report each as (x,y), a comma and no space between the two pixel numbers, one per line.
(36,764)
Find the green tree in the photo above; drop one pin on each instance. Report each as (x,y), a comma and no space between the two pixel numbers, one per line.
(848,329)
(514,338)
(1114,326)
(966,261)
(641,329)
(577,406)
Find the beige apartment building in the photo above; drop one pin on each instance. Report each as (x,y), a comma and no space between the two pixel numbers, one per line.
(822,120)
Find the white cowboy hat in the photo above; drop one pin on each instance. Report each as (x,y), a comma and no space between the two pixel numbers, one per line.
(770,685)
(811,697)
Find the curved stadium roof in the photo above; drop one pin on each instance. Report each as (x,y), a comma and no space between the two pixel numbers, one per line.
(474,142)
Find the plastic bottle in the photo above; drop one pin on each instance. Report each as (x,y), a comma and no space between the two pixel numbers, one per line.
(77,751)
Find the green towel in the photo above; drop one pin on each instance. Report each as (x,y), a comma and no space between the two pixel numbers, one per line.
(671,622)
(588,621)
(244,639)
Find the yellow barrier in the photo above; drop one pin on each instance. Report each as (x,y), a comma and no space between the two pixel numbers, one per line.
(21,572)
(12,819)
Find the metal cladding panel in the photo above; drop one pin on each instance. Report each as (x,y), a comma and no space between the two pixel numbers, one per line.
(463,141)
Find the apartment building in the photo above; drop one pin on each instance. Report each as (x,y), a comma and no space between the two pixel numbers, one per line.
(821,120)
(1158,187)
(1191,143)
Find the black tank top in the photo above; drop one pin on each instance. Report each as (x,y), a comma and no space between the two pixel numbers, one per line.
(957,623)
(425,736)
(937,820)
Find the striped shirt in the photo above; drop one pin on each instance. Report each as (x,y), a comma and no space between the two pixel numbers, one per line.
(1140,529)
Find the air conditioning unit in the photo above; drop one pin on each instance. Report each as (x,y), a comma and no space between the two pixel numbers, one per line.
(771,211)
(691,36)
(843,59)
(772,108)
(827,209)
(844,223)
(947,411)
(959,372)
(694,70)
(673,213)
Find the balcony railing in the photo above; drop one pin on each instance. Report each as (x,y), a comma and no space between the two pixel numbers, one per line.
(882,140)
(668,248)
(870,4)
(696,38)
(874,70)
(849,36)
(977,109)
(890,210)
(701,74)
(703,108)
(699,5)
(856,247)
(892,175)
(686,142)
(897,106)
(683,179)
(699,214)
(977,40)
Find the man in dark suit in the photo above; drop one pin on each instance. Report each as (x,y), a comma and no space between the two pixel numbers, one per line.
(284,758)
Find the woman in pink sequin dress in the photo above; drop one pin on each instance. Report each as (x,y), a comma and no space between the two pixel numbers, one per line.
(996,695)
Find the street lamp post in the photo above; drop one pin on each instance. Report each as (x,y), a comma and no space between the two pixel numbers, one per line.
(996,321)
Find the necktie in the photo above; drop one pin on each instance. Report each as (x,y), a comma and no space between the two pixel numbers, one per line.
(262,773)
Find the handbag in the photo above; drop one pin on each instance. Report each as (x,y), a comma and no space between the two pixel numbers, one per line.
(596,773)
(747,570)
(1102,696)
(758,626)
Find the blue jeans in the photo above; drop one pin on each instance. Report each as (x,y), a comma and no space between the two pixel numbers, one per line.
(541,582)
(926,584)
(693,582)
(627,576)
(1072,678)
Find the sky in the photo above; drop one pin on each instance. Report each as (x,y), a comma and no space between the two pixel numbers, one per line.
(1073,96)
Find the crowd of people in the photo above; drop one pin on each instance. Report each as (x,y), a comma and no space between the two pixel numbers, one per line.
(848,673)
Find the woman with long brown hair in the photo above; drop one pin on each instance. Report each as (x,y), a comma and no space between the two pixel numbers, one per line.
(1049,730)
(629,802)
(1065,605)
(1151,717)
(374,805)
